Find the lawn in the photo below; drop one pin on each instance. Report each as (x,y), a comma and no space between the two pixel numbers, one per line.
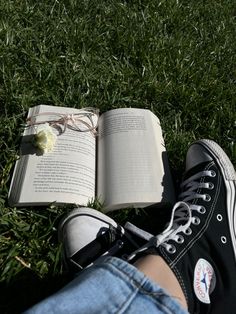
(176,58)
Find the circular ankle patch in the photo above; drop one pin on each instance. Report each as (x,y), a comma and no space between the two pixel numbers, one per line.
(204,280)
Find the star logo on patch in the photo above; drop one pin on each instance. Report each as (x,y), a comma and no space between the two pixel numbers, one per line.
(204,280)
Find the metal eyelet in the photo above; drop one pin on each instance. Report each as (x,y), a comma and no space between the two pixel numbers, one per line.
(180,239)
(213,173)
(171,249)
(223,239)
(202,210)
(219,217)
(124,256)
(188,231)
(210,186)
(207,198)
(196,221)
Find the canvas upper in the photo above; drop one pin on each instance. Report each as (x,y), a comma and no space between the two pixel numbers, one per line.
(199,244)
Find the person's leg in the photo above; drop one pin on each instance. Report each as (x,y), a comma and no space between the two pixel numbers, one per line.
(155,268)
(110,286)
(199,245)
(87,233)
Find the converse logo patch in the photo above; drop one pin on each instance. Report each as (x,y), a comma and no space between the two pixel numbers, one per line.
(204,280)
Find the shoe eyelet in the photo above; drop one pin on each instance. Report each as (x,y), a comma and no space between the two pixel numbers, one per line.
(196,221)
(119,244)
(213,173)
(210,186)
(188,231)
(202,210)
(124,257)
(180,239)
(171,249)
(219,217)
(223,239)
(207,197)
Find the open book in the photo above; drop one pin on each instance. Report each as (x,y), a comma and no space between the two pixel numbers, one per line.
(124,165)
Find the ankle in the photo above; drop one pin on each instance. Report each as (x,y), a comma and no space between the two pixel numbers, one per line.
(156,269)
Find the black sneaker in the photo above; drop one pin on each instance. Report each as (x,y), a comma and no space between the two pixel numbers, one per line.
(199,245)
(87,234)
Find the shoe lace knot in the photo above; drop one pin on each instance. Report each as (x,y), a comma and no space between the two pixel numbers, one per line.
(182,215)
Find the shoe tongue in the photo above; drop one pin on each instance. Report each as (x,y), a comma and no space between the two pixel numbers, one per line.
(190,172)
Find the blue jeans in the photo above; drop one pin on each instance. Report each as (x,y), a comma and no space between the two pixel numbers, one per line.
(109,286)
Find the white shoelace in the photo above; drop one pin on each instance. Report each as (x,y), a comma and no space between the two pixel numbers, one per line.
(181,218)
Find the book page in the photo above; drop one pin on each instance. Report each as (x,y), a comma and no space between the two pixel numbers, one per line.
(65,175)
(132,162)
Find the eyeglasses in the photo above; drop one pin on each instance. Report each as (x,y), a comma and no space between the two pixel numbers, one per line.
(85,120)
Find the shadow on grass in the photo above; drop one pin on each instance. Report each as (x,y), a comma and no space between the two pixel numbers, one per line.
(27,289)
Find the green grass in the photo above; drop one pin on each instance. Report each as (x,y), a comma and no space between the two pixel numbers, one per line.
(176,58)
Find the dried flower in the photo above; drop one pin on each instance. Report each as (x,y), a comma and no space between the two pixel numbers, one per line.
(44,138)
